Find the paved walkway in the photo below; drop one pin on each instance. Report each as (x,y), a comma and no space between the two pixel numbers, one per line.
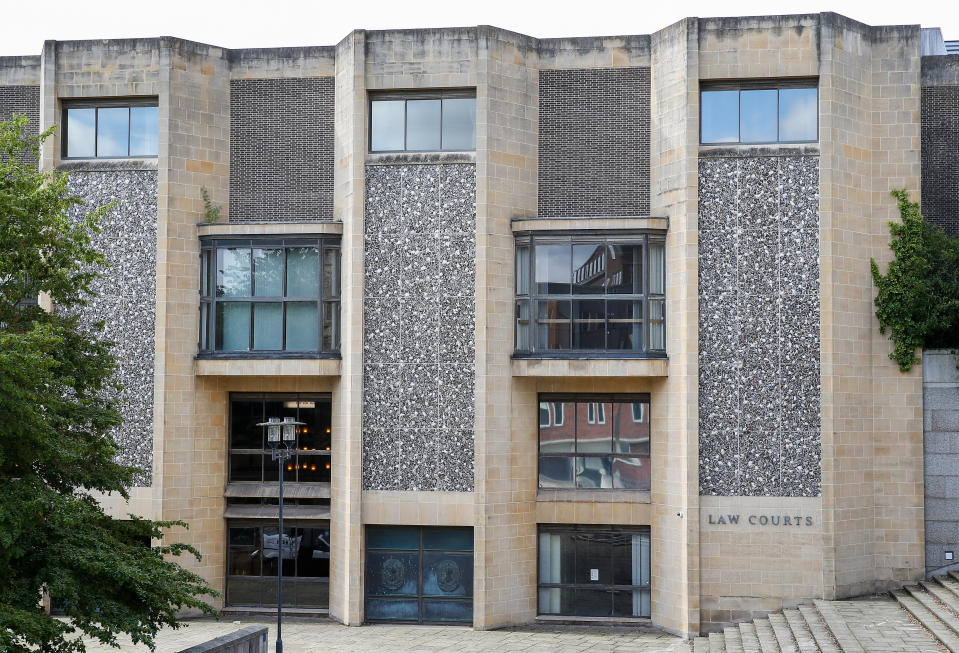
(311,636)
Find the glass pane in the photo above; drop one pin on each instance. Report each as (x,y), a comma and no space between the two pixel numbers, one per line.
(245,467)
(632,428)
(302,268)
(589,324)
(459,611)
(552,324)
(392,574)
(275,548)
(205,273)
(557,427)
(315,434)
(625,275)
(204,326)
(392,610)
(301,326)
(81,132)
(447,574)
(144,137)
(387,125)
(720,116)
(249,591)
(589,269)
(631,473)
(757,120)
(595,473)
(621,545)
(522,270)
(448,539)
(625,326)
(245,536)
(233,326)
(307,594)
(798,114)
(549,600)
(245,414)
(233,272)
(595,433)
(331,272)
(552,269)
(268,326)
(423,125)
(268,272)
(459,124)
(556,472)
(522,325)
(314,560)
(588,603)
(313,468)
(594,557)
(331,326)
(392,538)
(657,324)
(113,130)
(657,268)
(243,561)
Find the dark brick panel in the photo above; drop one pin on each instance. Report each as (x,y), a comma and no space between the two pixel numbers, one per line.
(594,142)
(940,156)
(281,150)
(21,99)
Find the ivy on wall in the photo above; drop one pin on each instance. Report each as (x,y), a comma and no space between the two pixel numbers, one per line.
(918,299)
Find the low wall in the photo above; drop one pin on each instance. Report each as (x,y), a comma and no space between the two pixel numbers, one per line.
(251,639)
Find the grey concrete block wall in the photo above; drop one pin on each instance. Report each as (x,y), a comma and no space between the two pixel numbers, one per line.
(594,142)
(281,150)
(940,408)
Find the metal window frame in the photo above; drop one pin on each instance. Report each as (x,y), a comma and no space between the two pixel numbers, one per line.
(406,96)
(530,241)
(96,105)
(589,399)
(757,85)
(209,248)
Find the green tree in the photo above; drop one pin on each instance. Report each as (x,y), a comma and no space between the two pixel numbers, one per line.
(56,415)
(918,299)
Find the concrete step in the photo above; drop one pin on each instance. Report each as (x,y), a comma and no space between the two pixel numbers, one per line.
(929,621)
(766,636)
(747,633)
(783,634)
(946,599)
(950,624)
(701,645)
(838,628)
(954,575)
(824,639)
(717,643)
(952,585)
(800,631)
(734,644)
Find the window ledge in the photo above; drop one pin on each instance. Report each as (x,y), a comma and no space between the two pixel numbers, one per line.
(422,158)
(267,367)
(107,165)
(253,229)
(552,367)
(769,149)
(563,620)
(594,496)
(604,223)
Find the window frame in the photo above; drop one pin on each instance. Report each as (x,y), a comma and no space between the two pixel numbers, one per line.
(326,456)
(590,400)
(438,94)
(757,85)
(105,103)
(530,240)
(210,245)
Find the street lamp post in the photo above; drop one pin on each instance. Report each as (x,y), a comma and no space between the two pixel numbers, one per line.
(281,436)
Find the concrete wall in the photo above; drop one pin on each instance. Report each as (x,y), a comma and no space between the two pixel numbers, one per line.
(940,413)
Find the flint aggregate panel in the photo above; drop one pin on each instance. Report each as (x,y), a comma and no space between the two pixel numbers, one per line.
(124,298)
(419,315)
(759,377)
(281,150)
(594,142)
(21,99)
(940,156)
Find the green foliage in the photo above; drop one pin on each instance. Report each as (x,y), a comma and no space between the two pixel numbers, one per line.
(56,416)
(918,299)
(210,209)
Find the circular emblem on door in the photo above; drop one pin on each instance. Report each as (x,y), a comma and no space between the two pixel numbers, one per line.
(447,575)
(392,574)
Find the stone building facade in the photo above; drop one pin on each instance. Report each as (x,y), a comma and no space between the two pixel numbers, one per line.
(567,355)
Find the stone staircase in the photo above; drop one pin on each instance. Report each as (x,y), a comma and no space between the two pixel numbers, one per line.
(820,628)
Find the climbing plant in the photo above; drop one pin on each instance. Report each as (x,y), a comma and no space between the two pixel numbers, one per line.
(918,299)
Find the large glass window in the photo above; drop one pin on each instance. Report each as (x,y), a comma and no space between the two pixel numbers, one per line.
(591,294)
(760,114)
(275,296)
(423,122)
(594,442)
(255,550)
(419,574)
(250,457)
(110,129)
(594,571)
